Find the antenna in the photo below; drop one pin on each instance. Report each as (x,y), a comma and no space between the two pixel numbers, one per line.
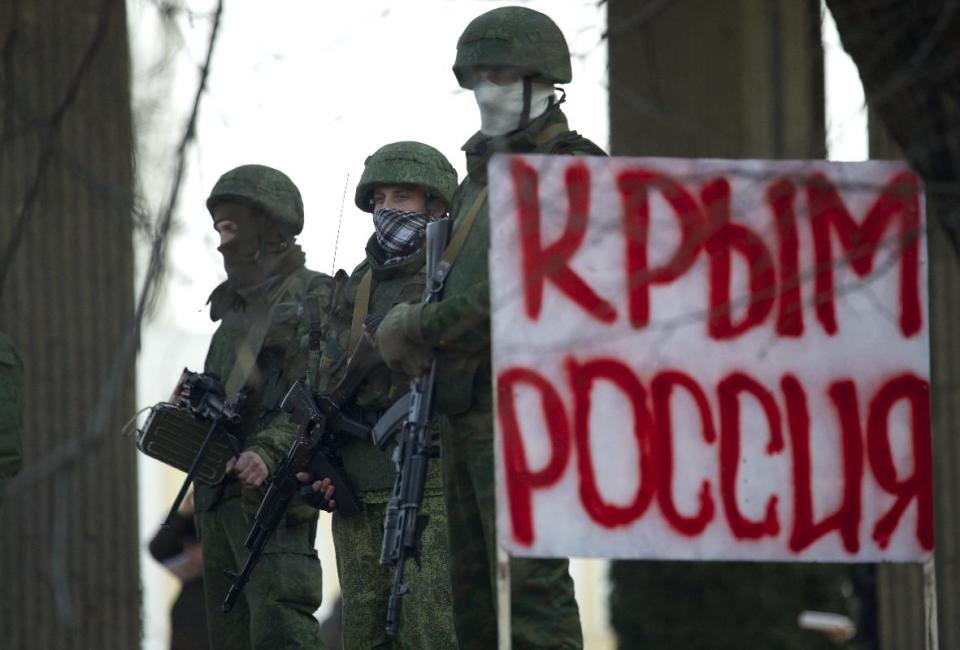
(336,242)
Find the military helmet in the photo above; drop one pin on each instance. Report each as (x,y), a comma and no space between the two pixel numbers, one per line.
(406,163)
(515,37)
(266,189)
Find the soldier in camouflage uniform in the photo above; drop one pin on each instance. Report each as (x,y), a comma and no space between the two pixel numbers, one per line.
(404,185)
(510,57)
(11,412)
(258,212)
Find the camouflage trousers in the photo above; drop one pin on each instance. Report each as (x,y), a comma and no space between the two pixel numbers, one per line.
(426,614)
(276,608)
(544,611)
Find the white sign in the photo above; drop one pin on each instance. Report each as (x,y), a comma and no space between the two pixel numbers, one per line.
(712,360)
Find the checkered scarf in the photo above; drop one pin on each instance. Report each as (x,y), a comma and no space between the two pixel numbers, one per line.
(399,232)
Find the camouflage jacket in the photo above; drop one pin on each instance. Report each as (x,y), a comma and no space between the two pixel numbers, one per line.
(11,411)
(369,468)
(280,362)
(458,326)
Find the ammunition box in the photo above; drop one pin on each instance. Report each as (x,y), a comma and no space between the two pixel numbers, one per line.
(174,436)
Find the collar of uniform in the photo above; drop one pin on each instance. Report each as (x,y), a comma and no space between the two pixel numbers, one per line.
(480,147)
(401,268)
(222,300)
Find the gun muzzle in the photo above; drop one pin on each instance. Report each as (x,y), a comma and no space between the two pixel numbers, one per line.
(393,614)
(393,608)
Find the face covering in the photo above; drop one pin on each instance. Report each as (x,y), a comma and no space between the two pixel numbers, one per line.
(248,259)
(399,232)
(240,260)
(501,107)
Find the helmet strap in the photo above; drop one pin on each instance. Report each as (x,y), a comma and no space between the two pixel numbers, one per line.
(563,96)
(527,98)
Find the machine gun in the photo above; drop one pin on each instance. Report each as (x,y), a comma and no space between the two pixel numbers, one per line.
(319,419)
(403,524)
(191,432)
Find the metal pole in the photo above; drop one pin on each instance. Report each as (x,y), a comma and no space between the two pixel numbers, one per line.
(932,636)
(503,598)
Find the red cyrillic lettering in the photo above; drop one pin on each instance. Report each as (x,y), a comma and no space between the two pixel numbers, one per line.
(521,480)
(916,486)
(781,197)
(660,390)
(552,262)
(900,197)
(725,238)
(728,392)
(635,186)
(846,518)
(582,378)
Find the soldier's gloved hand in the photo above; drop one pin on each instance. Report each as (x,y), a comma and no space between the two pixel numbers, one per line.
(400,342)
(324,491)
(249,468)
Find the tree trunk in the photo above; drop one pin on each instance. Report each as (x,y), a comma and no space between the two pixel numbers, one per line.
(68,529)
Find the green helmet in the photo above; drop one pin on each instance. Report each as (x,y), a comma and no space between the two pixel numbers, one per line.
(515,37)
(406,163)
(266,189)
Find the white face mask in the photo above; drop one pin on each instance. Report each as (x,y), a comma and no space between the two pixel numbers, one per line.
(501,107)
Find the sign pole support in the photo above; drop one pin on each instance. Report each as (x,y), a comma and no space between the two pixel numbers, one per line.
(932,636)
(503,598)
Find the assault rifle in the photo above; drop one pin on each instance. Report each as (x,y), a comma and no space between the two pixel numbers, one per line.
(319,420)
(403,524)
(203,396)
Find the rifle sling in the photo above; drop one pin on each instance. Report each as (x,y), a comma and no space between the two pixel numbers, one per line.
(250,346)
(450,255)
(360,308)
